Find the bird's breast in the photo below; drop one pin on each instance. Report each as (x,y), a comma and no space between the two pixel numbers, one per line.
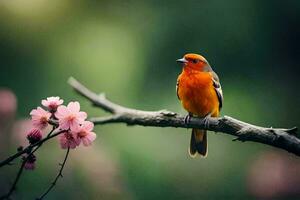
(197,93)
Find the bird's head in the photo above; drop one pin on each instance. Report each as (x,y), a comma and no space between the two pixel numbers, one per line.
(194,62)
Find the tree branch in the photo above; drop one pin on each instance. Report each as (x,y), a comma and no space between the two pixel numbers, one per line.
(57,176)
(13,187)
(30,151)
(276,137)
(29,148)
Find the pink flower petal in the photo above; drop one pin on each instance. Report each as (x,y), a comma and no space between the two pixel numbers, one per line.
(33,112)
(62,110)
(89,139)
(63,124)
(67,140)
(88,126)
(45,103)
(74,106)
(92,136)
(40,110)
(73,125)
(40,118)
(58,115)
(76,128)
(82,116)
(52,103)
(86,141)
(70,117)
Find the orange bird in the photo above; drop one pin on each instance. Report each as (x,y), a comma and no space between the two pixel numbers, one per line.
(199,90)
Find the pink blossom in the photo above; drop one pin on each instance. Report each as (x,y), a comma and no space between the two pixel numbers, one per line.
(70,116)
(34,136)
(29,165)
(40,117)
(84,133)
(52,103)
(67,140)
(30,162)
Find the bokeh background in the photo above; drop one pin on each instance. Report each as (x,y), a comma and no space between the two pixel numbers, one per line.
(128,50)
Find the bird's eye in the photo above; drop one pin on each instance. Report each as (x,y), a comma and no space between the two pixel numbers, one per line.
(195,60)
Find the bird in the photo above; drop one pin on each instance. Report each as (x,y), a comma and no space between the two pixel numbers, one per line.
(199,90)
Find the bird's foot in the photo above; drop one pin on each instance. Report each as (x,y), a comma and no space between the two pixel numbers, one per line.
(206,121)
(187,118)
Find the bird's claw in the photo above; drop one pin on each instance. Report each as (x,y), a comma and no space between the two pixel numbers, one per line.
(206,121)
(187,119)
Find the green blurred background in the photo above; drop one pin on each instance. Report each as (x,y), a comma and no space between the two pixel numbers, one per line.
(128,50)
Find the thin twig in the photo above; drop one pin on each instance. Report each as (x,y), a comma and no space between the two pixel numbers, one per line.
(30,152)
(57,177)
(13,187)
(276,137)
(28,148)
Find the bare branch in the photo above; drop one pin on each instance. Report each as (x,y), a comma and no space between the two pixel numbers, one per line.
(57,177)
(13,187)
(276,137)
(21,169)
(29,148)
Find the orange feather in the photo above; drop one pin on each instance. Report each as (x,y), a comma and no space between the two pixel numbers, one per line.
(200,93)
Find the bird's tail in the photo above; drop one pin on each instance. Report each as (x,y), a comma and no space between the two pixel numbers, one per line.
(198,143)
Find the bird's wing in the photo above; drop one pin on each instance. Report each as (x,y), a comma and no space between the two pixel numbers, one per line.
(218,88)
(177,86)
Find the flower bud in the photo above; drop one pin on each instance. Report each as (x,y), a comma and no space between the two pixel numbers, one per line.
(30,162)
(34,136)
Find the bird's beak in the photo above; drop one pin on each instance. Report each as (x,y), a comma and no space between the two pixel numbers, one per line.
(182,60)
